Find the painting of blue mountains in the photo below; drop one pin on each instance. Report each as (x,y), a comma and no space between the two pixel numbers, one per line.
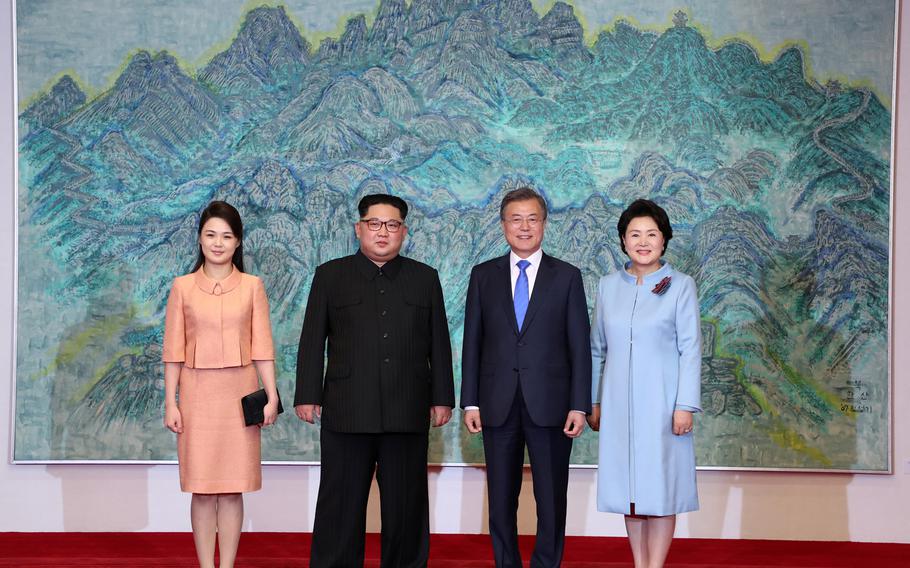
(778,186)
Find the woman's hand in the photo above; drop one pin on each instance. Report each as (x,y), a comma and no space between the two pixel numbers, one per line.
(172,419)
(266,370)
(682,422)
(594,418)
(270,413)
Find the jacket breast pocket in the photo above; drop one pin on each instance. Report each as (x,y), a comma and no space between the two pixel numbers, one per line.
(418,301)
(344,301)
(345,312)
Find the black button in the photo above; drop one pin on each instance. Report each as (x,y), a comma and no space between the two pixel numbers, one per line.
(521,343)
(386,360)
(384,312)
(382,291)
(385,335)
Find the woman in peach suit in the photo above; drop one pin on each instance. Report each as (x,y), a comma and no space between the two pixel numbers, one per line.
(217,345)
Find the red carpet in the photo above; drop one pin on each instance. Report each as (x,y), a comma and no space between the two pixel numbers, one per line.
(278,550)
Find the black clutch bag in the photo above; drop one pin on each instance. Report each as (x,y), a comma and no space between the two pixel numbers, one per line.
(254,407)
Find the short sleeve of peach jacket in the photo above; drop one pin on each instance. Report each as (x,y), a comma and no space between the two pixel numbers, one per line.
(261,348)
(174,347)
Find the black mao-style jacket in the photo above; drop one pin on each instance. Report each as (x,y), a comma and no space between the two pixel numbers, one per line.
(387,339)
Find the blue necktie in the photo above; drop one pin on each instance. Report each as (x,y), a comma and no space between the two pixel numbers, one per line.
(521,295)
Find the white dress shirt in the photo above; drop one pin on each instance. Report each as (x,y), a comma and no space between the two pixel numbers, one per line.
(531,270)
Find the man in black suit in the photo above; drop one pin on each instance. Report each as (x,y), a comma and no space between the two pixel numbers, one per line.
(526,376)
(389,373)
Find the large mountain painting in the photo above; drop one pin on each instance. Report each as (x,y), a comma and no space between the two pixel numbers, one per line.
(777,185)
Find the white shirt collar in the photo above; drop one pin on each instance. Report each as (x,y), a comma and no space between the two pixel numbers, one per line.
(531,271)
(534,259)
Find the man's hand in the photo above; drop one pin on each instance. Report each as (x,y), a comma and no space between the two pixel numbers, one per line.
(308,412)
(472,421)
(575,424)
(440,415)
(594,418)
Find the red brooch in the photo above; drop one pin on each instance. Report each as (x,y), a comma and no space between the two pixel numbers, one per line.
(662,286)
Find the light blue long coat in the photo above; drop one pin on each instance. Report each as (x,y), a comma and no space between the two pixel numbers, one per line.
(646,351)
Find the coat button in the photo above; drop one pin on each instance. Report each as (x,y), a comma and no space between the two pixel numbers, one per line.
(383,312)
(386,360)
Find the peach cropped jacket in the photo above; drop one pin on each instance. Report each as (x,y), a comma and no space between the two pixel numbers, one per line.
(215,325)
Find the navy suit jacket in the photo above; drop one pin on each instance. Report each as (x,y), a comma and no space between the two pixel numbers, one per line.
(550,357)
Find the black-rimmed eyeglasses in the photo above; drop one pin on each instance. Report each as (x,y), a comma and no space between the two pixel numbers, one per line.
(375,224)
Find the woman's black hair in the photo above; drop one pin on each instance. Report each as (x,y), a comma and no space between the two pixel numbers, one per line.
(645,208)
(225,211)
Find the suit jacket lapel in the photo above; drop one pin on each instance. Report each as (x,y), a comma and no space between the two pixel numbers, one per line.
(539,295)
(504,286)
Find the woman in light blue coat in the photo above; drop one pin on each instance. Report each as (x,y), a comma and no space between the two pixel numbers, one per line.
(646,349)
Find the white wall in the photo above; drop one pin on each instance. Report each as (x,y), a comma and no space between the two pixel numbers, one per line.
(734,505)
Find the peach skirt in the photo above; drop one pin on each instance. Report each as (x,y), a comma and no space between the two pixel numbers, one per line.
(217,453)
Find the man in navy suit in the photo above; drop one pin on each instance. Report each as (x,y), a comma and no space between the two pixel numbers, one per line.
(526,376)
